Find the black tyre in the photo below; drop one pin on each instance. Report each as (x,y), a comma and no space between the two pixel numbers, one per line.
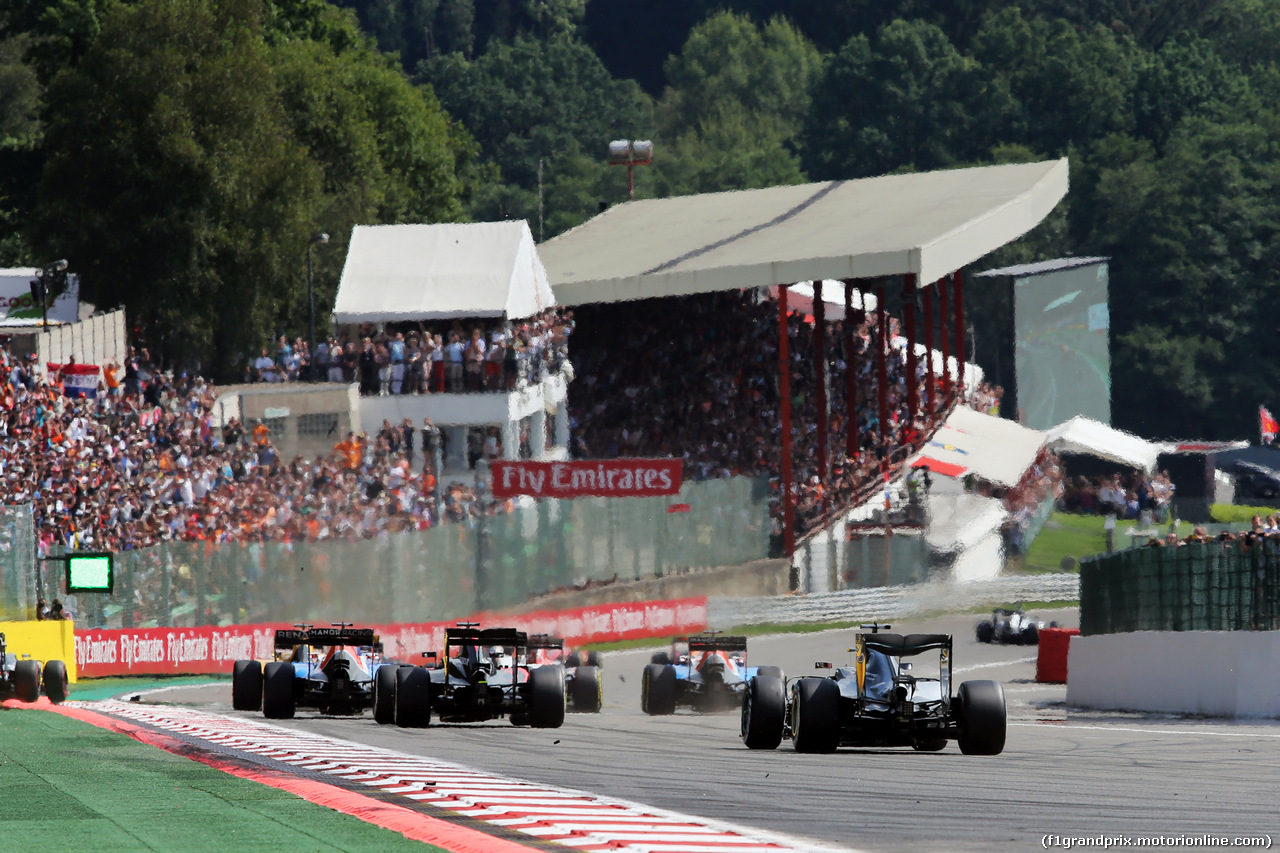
(1031,636)
(246,685)
(661,657)
(1053,624)
(26,680)
(772,672)
(815,715)
(55,681)
(982,717)
(594,659)
(588,690)
(764,711)
(547,697)
(986,632)
(278,701)
(658,689)
(573,660)
(384,695)
(412,701)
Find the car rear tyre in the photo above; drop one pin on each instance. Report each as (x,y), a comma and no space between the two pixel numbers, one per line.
(384,695)
(661,658)
(573,660)
(986,632)
(277,691)
(547,697)
(55,681)
(658,690)
(246,685)
(412,702)
(593,659)
(772,672)
(815,722)
(26,680)
(982,717)
(1031,636)
(588,691)
(764,711)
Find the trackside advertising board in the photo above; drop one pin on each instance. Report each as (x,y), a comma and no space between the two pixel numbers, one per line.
(208,651)
(612,478)
(17,303)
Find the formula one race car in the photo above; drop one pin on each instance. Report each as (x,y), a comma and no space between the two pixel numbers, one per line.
(1011,627)
(707,672)
(882,700)
(330,669)
(23,678)
(483,676)
(583,684)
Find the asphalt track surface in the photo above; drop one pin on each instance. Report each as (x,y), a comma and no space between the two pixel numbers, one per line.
(1065,772)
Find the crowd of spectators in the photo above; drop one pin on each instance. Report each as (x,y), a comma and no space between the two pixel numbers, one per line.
(1124,496)
(986,398)
(697,378)
(425,357)
(1263,535)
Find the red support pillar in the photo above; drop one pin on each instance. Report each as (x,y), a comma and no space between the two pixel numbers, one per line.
(784,391)
(820,379)
(909,326)
(944,327)
(882,369)
(928,347)
(961,344)
(850,375)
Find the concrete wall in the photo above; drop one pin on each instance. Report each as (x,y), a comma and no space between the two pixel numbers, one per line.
(1217,673)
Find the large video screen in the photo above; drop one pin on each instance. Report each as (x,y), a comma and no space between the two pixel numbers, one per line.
(1062,355)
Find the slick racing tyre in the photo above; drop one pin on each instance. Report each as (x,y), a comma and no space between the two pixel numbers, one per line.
(55,681)
(982,717)
(547,697)
(26,680)
(773,671)
(573,660)
(986,632)
(412,701)
(658,689)
(278,701)
(246,686)
(764,710)
(588,691)
(660,657)
(593,659)
(815,720)
(384,695)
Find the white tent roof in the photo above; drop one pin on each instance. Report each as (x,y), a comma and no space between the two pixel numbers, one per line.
(433,272)
(929,223)
(1094,438)
(800,298)
(994,449)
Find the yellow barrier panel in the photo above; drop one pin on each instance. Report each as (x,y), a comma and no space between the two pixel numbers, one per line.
(43,641)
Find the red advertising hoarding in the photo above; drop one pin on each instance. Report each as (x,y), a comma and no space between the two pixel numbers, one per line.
(208,651)
(614,478)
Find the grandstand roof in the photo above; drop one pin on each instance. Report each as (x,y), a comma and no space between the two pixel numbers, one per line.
(1042,267)
(441,271)
(929,223)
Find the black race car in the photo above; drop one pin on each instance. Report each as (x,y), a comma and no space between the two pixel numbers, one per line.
(482,676)
(1011,626)
(583,683)
(881,700)
(24,678)
(330,669)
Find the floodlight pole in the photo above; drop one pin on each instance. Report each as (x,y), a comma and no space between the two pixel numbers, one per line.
(928,346)
(909,323)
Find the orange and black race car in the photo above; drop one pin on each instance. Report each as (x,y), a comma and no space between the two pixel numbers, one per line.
(706,672)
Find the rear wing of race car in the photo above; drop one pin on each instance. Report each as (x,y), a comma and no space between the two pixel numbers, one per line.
(487,637)
(545,641)
(287,639)
(904,645)
(717,643)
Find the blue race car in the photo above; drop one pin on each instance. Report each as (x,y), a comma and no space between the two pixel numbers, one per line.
(330,669)
(890,696)
(706,672)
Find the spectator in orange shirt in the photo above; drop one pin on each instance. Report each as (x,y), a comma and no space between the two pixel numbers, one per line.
(260,433)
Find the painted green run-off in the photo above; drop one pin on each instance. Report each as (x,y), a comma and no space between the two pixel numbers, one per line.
(66,785)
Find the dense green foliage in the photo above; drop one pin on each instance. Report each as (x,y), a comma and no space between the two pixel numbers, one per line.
(181,153)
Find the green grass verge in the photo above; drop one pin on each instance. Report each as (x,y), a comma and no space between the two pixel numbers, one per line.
(68,785)
(1232,514)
